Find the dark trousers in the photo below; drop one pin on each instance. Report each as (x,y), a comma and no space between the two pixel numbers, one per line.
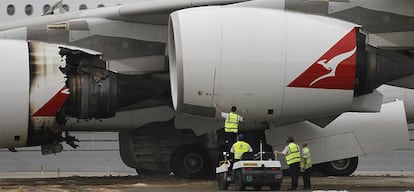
(306,178)
(230,137)
(294,170)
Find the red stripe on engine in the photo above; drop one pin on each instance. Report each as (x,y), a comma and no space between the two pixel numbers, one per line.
(54,104)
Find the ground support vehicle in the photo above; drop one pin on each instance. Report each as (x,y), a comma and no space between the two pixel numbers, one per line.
(252,170)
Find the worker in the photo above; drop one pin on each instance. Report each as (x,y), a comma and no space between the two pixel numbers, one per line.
(306,165)
(231,124)
(240,147)
(292,154)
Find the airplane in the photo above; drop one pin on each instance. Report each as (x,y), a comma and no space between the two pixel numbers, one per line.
(151,70)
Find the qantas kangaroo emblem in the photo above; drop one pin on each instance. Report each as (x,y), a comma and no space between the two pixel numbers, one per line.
(332,65)
(333,70)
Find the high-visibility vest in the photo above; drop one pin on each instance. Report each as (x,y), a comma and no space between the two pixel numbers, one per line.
(240,147)
(293,155)
(306,153)
(232,123)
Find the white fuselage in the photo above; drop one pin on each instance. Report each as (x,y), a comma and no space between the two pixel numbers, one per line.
(22,9)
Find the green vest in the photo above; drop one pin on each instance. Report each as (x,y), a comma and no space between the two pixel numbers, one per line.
(293,155)
(232,123)
(240,147)
(308,165)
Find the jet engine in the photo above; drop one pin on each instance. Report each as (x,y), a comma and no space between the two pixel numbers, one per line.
(45,84)
(273,64)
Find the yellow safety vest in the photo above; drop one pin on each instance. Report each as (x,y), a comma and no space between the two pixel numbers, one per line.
(308,165)
(232,123)
(240,147)
(293,155)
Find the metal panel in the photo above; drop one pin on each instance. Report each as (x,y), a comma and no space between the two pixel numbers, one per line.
(14,93)
(253,61)
(350,135)
(309,43)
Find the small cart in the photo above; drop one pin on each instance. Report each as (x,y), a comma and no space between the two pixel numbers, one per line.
(255,170)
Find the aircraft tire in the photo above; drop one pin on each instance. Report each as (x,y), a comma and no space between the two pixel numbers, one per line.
(190,162)
(343,167)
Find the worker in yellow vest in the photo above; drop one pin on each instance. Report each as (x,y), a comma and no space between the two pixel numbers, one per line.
(240,147)
(231,124)
(292,154)
(306,165)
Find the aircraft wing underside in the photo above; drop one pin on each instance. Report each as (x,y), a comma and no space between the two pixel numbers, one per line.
(149,12)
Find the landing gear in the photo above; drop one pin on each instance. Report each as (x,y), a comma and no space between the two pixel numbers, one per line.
(342,167)
(190,162)
(161,148)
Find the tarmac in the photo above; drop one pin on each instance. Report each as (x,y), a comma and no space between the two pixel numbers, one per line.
(97,167)
(124,182)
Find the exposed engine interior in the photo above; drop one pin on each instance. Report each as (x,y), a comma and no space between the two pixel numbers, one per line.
(99,93)
(94,92)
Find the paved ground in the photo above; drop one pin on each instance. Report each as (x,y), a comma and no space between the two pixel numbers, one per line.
(389,171)
(164,183)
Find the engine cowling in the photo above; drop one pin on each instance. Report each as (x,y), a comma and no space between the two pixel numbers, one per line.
(33,91)
(273,64)
(45,84)
(14,93)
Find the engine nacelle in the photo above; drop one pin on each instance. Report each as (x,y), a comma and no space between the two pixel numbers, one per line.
(33,91)
(14,94)
(273,64)
(45,84)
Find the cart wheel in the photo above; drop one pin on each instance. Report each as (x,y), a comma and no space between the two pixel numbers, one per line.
(275,186)
(238,181)
(221,182)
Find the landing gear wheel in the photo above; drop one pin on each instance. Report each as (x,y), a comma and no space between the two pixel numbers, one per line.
(238,181)
(275,186)
(146,172)
(222,182)
(343,167)
(190,162)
